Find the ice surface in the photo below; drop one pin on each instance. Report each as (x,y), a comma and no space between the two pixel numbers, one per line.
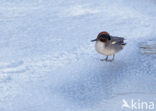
(47,62)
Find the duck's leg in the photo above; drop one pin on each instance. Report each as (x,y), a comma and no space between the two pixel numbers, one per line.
(106,59)
(112,58)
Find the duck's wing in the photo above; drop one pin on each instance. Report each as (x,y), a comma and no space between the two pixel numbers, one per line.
(117,40)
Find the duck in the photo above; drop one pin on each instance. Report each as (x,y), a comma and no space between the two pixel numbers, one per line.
(108,45)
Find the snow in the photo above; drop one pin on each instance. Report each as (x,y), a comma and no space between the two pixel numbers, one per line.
(47,62)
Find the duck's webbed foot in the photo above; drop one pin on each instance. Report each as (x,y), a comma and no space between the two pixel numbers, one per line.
(106,59)
(112,58)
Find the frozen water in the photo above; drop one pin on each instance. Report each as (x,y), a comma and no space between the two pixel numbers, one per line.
(47,62)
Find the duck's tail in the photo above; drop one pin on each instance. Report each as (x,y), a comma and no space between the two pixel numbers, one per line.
(123,44)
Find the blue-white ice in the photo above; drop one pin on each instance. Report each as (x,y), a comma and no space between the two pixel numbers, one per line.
(47,62)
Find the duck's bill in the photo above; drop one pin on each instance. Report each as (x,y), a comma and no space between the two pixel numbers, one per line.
(94,40)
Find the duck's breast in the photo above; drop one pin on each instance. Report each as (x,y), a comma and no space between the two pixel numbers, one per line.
(101,48)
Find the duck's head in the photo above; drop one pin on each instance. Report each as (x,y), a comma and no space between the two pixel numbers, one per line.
(103,37)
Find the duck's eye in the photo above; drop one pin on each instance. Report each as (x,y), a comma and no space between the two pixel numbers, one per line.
(103,36)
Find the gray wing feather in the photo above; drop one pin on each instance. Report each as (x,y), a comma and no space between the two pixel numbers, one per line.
(116,40)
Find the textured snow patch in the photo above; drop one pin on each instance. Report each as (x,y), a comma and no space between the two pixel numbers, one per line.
(10,11)
(81,10)
(14,70)
(12,67)
(148,47)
